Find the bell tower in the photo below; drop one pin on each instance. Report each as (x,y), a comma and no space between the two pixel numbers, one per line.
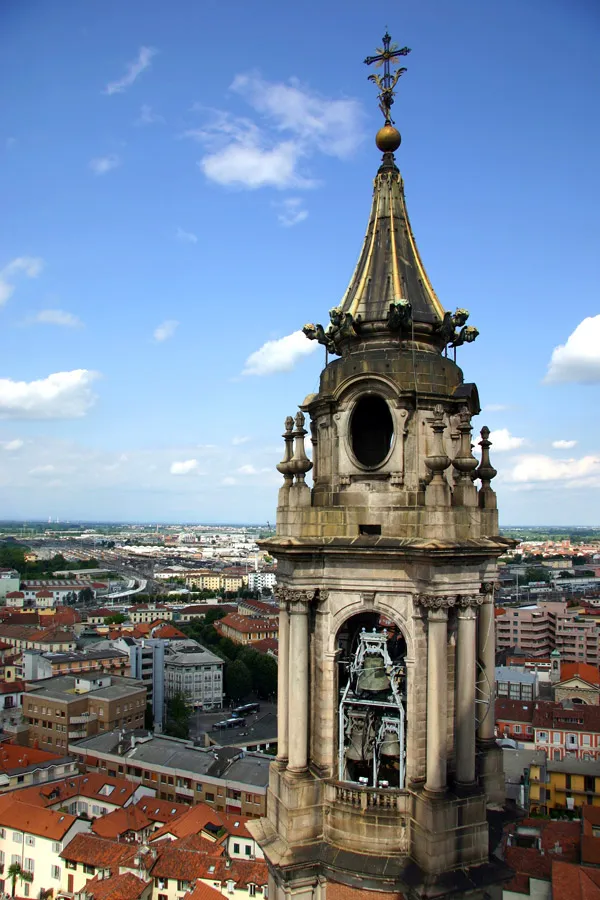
(387,765)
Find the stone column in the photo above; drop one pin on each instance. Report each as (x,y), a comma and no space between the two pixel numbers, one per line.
(437,686)
(486,652)
(298,688)
(283,682)
(465,692)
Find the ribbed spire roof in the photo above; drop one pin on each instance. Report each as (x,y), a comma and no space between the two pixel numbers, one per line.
(389,267)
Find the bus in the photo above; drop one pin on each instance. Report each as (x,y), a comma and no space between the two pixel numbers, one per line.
(246,709)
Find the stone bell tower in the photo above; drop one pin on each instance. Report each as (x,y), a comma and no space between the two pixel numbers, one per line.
(387,763)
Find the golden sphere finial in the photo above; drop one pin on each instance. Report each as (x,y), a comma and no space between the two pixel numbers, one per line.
(388,139)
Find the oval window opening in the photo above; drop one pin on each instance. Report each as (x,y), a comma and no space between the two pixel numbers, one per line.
(372,430)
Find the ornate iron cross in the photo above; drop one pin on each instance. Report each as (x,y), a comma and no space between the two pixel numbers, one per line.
(388,81)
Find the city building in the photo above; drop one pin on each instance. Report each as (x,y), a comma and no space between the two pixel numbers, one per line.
(10,580)
(579,682)
(22,766)
(514,720)
(38,665)
(228,779)
(540,628)
(66,708)
(34,838)
(516,683)
(198,674)
(259,580)
(31,637)
(93,794)
(567,730)
(147,661)
(244,629)
(566,784)
(386,577)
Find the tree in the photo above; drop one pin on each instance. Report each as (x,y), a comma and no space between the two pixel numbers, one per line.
(179,713)
(238,680)
(534,573)
(115,619)
(16,872)
(86,595)
(212,615)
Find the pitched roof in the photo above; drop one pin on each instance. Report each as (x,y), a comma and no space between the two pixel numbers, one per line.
(574,882)
(97,851)
(25,817)
(14,757)
(203,891)
(161,810)
(201,817)
(94,785)
(120,821)
(513,710)
(118,887)
(579,717)
(585,671)
(247,624)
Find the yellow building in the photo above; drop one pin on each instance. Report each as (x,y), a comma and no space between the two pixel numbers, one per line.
(563,784)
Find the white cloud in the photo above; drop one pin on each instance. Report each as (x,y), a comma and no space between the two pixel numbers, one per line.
(29,266)
(185,467)
(134,70)
(103,164)
(563,445)
(187,237)
(577,361)
(280,355)
(291,212)
(242,439)
(62,395)
(13,445)
(228,481)
(43,470)
(165,330)
(503,440)
(147,116)
(333,126)
(539,468)
(294,124)
(55,317)
(247,469)
(494,407)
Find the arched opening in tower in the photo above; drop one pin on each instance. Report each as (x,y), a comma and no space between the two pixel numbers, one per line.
(372,702)
(371,430)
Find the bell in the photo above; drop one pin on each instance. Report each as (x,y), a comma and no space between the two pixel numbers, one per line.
(390,745)
(372,676)
(359,747)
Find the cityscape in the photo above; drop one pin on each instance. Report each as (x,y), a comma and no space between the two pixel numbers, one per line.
(290,606)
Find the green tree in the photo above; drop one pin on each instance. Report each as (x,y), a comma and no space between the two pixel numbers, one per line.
(238,680)
(535,573)
(179,713)
(213,615)
(115,619)
(16,872)
(86,595)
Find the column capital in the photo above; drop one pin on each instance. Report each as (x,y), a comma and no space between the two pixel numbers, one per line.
(468,601)
(291,596)
(466,612)
(489,587)
(435,601)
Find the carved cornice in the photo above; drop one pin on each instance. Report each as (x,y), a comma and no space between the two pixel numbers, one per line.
(289,595)
(447,601)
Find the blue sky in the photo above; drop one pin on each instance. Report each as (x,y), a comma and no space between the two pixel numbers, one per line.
(184,183)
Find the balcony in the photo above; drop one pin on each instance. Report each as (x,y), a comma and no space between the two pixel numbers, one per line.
(367,819)
(83,719)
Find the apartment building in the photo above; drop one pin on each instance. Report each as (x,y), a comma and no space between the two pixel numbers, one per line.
(539,629)
(23,766)
(34,838)
(32,637)
(516,683)
(68,708)
(37,665)
(247,629)
(198,674)
(563,784)
(570,731)
(10,580)
(225,778)
(146,615)
(259,580)
(93,794)
(203,580)
(514,720)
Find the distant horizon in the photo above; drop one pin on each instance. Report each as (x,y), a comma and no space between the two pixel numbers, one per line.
(150,523)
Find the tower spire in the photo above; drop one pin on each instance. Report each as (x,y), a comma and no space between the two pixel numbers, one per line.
(390,298)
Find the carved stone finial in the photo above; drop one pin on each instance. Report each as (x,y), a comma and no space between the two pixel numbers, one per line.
(284,465)
(465,492)
(299,464)
(437,492)
(485,472)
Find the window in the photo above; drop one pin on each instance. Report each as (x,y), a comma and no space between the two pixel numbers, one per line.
(248,850)
(2,832)
(29,864)
(56,872)
(517,729)
(586,740)
(252,890)
(542,736)
(15,858)
(210,798)
(236,848)
(556,737)
(30,840)
(70,864)
(56,847)
(26,889)
(89,870)
(17,837)
(371,431)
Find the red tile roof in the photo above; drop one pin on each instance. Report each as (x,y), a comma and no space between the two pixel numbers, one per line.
(574,882)
(586,671)
(89,785)
(121,821)
(246,624)
(203,891)
(161,810)
(118,887)
(197,818)
(513,710)
(12,687)
(581,717)
(98,852)
(13,757)
(28,818)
